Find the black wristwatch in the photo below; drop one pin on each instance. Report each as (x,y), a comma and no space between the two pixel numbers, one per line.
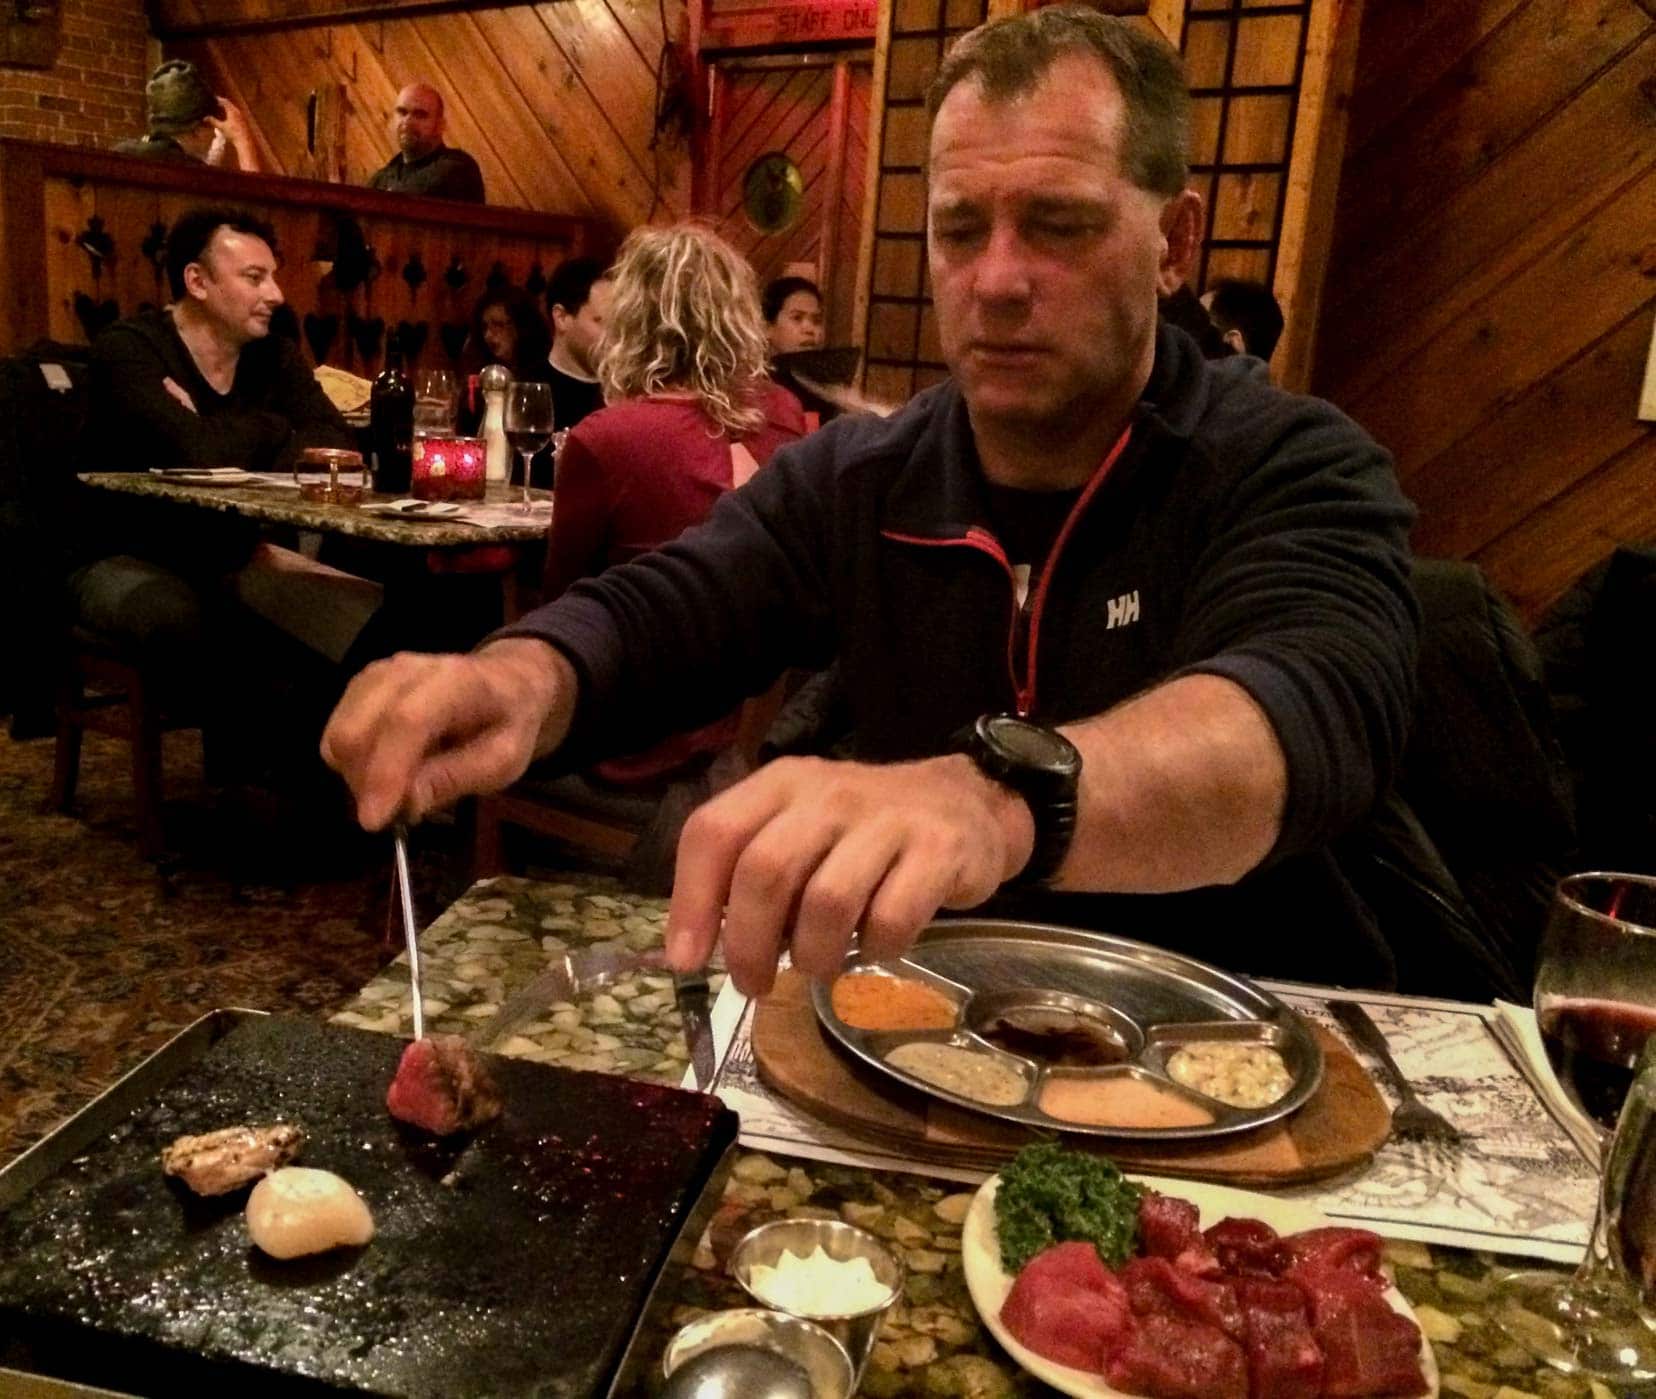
(1041,766)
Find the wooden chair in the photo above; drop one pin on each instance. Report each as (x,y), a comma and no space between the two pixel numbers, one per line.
(104,690)
(606,823)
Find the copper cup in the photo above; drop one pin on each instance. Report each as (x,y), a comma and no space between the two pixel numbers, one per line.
(336,461)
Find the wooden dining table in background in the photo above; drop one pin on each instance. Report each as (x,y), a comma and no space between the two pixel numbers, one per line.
(511,544)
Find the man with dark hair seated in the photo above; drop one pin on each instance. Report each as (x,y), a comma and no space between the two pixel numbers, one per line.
(201,383)
(577,300)
(1247,315)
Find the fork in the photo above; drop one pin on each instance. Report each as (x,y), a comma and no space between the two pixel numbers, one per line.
(572,974)
(1411,1120)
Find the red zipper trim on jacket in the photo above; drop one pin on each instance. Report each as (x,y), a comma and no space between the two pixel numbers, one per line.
(1026,693)
(985,543)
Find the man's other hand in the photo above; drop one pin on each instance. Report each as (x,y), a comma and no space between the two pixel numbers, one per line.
(416,733)
(805,852)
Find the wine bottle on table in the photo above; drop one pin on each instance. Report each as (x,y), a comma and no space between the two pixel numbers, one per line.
(391,424)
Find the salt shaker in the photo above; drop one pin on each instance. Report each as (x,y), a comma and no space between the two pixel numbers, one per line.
(497,456)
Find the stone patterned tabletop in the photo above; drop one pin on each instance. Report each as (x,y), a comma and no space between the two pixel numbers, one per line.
(281,505)
(496,936)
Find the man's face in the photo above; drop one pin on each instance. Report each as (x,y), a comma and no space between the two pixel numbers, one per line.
(798,325)
(499,334)
(1044,256)
(234,284)
(418,121)
(579,332)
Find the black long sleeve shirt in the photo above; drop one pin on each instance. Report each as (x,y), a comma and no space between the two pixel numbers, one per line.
(274,408)
(273,411)
(1242,531)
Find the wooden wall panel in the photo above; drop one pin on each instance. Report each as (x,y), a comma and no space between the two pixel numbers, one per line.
(1493,277)
(57,190)
(555,101)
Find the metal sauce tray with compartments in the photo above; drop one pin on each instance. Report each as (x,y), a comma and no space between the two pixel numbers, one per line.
(1143,1002)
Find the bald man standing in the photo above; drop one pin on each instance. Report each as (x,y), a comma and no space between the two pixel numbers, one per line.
(423,164)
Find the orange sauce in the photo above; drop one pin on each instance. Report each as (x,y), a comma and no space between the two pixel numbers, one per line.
(871,1001)
(1119,1102)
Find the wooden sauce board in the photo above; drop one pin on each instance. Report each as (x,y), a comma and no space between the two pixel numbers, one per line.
(1339,1129)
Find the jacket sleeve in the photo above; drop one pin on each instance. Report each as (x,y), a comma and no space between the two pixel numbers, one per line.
(680,636)
(130,403)
(1301,596)
(575,547)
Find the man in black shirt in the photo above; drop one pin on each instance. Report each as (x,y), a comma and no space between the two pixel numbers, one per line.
(578,296)
(183,124)
(202,383)
(423,164)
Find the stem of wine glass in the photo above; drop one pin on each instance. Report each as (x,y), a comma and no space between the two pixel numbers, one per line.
(527,458)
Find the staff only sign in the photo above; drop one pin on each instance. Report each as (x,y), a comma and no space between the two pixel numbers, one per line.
(805,22)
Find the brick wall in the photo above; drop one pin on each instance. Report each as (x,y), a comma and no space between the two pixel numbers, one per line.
(94,94)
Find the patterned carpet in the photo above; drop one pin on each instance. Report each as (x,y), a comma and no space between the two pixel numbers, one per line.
(102,958)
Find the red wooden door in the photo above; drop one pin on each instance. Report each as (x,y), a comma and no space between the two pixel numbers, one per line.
(813,110)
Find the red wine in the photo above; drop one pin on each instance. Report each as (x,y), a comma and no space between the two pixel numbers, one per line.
(1593,1046)
(530,441)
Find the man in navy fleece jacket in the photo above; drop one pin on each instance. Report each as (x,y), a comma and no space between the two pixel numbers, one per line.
(1199,580)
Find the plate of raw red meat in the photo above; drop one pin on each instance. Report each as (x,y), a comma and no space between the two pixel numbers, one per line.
(1229,1295)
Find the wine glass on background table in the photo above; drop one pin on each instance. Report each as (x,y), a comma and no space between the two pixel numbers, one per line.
(1595,999)
(528,424)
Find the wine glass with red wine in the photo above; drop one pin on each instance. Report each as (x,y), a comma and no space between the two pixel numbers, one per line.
(1595,999)
(528,423)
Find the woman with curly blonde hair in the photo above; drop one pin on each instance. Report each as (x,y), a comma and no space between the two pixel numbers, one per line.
(689,413)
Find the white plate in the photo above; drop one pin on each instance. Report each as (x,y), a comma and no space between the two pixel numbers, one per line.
(210,476)
(989,1284)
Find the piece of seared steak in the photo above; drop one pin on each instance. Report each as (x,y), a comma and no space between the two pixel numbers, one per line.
(442,1086)
(217,1162)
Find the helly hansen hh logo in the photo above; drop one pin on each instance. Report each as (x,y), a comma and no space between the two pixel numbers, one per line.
(1123,611)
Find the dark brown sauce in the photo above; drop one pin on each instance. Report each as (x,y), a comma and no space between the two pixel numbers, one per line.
(1055,1037)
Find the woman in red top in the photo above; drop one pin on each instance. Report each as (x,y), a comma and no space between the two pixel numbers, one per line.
(690,413)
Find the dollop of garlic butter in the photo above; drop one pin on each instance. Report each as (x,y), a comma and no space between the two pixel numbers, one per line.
(817,1285)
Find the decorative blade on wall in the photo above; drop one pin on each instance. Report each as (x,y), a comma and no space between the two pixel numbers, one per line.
(366,334)
(95,241)
(453,335)
(320,333)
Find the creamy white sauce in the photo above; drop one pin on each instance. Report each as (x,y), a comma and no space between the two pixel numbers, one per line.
(980,1077)
(817,1285)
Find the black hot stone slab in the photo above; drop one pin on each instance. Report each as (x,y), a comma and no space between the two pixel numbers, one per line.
(515,1261)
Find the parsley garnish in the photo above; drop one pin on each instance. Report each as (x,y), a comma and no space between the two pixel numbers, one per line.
(1049,1196)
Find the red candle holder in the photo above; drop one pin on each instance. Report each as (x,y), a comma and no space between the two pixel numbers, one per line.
(448,468)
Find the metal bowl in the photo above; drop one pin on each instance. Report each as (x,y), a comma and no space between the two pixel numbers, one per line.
(807,1347)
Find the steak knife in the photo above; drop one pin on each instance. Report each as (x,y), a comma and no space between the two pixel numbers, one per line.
(691,993)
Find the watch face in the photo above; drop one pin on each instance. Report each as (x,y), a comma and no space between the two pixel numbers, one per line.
(1028,744)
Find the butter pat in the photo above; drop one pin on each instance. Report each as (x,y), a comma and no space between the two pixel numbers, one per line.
(817,1285)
